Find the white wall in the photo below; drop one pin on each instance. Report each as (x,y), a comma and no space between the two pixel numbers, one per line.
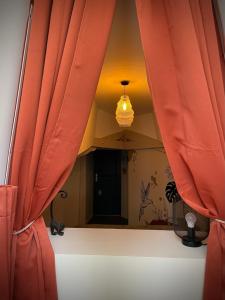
(89,133)
(105,124)
(156,125)
(13,20)
(110,264)
(99,277)
(144,124)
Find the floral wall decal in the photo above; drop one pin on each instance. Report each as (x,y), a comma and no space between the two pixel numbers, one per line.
(146,188)
(159,213)
(145,199)
(154,180)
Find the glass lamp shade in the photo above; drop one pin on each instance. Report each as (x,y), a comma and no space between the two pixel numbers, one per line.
(124,112)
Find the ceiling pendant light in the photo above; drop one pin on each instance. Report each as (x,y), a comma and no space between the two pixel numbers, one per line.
(124,111)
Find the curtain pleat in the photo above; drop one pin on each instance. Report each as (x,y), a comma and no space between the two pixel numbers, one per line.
(185,77)
(8,198)
(66,50)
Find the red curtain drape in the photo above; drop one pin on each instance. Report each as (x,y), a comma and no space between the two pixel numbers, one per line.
(7,212)
(65,55)
(184,73)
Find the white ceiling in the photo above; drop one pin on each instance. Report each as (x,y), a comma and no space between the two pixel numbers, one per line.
(124,60)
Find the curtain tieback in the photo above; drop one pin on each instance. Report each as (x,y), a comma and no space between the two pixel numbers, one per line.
(24,228)
(219,220)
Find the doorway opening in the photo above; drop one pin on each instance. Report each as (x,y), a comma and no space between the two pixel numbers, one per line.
(109,187)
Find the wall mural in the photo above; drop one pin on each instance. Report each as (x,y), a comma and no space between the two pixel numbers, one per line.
(157,212)
(148,177)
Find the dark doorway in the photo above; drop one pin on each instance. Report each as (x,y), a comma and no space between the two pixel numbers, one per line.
(107,182)
(107,187)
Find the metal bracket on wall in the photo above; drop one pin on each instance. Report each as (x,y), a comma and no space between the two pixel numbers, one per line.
(55,227)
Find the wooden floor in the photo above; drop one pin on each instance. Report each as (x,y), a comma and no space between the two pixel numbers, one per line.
(119,222)
(109,220)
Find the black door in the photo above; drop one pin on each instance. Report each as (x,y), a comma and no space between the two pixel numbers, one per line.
(107,182)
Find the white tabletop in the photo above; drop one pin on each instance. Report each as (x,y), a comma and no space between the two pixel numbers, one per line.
(124,242)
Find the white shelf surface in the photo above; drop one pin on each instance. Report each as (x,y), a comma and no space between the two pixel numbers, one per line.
(127,264)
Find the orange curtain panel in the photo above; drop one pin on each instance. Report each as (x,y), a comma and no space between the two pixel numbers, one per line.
(185,77)
(7,212)
(66,50)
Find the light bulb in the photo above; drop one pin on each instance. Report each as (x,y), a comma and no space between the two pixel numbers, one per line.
(124,106)
(190,219)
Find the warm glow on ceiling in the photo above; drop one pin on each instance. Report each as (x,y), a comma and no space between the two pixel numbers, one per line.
(124,61)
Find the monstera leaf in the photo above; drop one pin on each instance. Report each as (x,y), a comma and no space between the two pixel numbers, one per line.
(172,194)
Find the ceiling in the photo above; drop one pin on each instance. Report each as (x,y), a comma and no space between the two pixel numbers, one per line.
(124,60)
